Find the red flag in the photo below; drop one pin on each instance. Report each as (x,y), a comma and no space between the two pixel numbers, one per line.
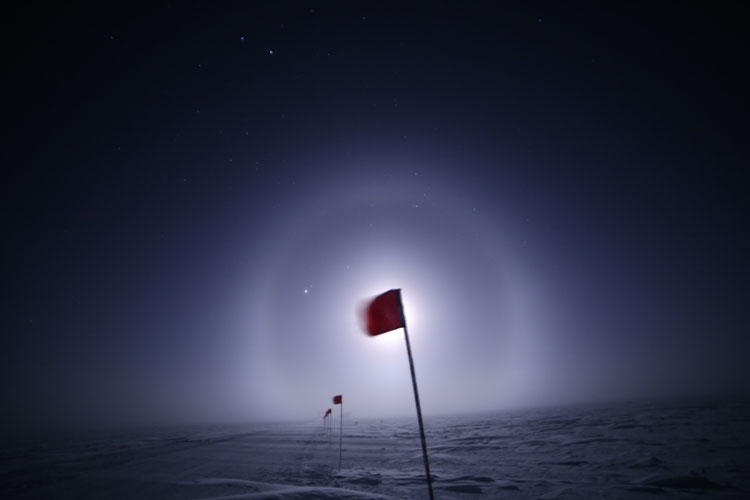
(385,313)
(328,412)
(337,400)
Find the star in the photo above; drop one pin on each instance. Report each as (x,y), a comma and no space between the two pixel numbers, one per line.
(307,291)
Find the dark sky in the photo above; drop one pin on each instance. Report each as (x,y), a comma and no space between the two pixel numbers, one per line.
(197,199)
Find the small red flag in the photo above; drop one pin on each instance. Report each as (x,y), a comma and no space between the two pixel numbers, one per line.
(328,412)
(385,313)
(337,400)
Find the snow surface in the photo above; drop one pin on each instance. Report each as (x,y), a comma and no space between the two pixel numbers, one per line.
(626,451)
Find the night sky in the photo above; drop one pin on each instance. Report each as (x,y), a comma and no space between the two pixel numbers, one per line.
(198,199)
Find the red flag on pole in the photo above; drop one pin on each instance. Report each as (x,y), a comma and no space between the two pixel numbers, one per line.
(385,313)
(337,400)
(328,412)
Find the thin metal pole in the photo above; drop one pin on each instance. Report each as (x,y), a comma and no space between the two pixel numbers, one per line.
(341,428)
(419,415)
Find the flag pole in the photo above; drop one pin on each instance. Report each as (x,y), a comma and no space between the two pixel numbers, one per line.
(341,428)
(419,412)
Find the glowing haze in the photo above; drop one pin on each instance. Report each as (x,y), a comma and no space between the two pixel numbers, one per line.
(202,200)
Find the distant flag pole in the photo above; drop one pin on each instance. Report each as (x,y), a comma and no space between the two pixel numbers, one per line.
(383,314)
(338,400)
(328,423)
